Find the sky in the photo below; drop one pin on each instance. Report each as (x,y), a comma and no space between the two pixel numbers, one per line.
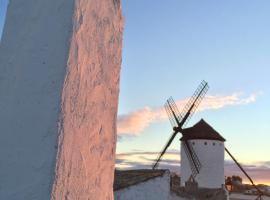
(3,7)
(169,47)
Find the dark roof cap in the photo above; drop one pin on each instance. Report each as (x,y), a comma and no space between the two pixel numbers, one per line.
(201,130)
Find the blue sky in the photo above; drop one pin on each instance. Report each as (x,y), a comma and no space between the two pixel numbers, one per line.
(170,46)
(3,6)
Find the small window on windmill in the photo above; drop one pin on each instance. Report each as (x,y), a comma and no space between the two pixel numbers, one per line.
(205,143)
(193,143)
(214,143)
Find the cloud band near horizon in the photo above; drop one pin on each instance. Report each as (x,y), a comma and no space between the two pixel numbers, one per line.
(259,171)
(135,122)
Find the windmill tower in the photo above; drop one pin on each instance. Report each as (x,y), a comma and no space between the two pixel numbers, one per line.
(209,147)
(197,159)
(202,147)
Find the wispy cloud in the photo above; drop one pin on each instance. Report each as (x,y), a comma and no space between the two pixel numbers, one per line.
(135,122)
(259,171)
(145,160)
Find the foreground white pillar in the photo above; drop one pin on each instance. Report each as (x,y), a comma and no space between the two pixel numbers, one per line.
(59,85)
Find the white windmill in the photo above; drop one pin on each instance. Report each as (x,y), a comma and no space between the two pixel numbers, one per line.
(209,147)
(202,148)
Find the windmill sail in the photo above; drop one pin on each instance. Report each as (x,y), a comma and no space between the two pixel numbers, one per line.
(194,102)
(171,108)
(260,193)
(178,121)
(190,160)
(194,162)
(164,149)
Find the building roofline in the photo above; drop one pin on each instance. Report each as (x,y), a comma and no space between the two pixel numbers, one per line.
(126,178)
(201,130)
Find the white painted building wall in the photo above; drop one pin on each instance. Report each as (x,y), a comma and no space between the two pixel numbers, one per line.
(86,148)
(153,189)
(33,59)
(211,156)
(59,76)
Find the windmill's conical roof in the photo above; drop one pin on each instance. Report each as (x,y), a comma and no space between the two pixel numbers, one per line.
(201,130)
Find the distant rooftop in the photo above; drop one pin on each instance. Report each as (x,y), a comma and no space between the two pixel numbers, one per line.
(201,130)
(123,179)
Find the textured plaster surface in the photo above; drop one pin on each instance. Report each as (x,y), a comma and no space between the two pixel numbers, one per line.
(86,153)
(33,59)
(59,83)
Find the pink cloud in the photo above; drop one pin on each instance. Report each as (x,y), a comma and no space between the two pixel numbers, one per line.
(135,122)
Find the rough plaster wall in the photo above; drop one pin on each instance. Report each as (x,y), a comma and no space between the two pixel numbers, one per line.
(33,59)
(212,159)
(153,189)
(86,153)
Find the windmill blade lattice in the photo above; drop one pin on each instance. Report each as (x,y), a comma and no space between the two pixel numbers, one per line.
(194,162)
(178,121)
(194,102)
(173,113)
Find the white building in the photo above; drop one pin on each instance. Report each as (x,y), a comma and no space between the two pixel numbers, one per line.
(148,184)
(208,145)
(142,185)
(59,85)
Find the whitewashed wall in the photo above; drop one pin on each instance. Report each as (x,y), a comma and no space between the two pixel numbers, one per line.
(59,75)
(212,159)
(33,59)
(86,153)
(153,189)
